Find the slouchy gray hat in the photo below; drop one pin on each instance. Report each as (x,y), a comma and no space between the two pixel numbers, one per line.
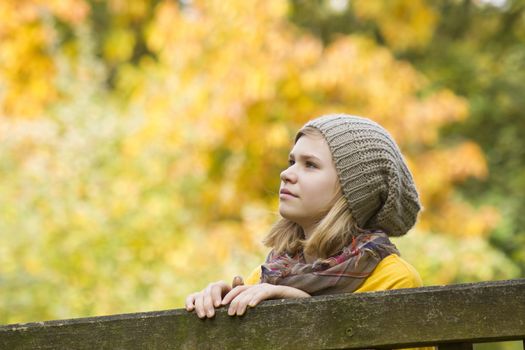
(373,175)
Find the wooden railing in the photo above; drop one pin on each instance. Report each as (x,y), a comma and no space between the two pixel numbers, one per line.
(449,317)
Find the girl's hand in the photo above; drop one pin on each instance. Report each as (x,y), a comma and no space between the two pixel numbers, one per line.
(241,297)
(205,301)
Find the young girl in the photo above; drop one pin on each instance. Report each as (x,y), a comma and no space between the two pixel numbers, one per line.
(346,191)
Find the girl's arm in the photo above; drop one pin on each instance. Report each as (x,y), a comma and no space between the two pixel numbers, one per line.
(241,297)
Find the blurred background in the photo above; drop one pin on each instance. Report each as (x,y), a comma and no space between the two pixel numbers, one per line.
(141,141)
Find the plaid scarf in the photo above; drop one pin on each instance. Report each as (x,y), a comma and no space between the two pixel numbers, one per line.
(341,273)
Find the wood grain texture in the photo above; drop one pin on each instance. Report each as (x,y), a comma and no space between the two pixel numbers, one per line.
(488,311)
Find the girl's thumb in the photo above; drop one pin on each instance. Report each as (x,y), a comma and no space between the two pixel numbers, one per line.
(237,281)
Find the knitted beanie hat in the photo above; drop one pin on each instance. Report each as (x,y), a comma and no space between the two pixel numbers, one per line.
(373,175)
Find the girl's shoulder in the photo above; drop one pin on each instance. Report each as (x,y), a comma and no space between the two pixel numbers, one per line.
(393,272)
(254,277)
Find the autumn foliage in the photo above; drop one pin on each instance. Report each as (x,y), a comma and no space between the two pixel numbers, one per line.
(142,144)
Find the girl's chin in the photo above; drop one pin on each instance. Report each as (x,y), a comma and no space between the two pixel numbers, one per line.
(287,214)
(284,213)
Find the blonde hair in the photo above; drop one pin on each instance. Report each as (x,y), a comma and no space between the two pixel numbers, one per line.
(333,231)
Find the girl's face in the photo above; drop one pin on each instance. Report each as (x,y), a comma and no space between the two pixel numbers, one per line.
(310,184)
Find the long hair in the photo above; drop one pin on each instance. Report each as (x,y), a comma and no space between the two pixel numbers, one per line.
(334,229)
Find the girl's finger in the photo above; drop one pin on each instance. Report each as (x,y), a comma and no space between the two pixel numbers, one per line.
(216,295)
(239,304)
(243,303)
(232,309)
(190,300)
(208,304)
(265,293)
(233,293)
(237,281)
(256,299)
(199,307)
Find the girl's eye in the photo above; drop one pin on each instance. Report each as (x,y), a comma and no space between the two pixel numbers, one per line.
(310,165)
(291,162)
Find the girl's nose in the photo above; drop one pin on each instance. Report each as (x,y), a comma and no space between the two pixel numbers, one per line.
(288,175)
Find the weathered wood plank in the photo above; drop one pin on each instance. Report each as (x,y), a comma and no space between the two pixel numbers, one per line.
(489,311)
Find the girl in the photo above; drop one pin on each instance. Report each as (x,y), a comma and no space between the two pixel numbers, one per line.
(346,191)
